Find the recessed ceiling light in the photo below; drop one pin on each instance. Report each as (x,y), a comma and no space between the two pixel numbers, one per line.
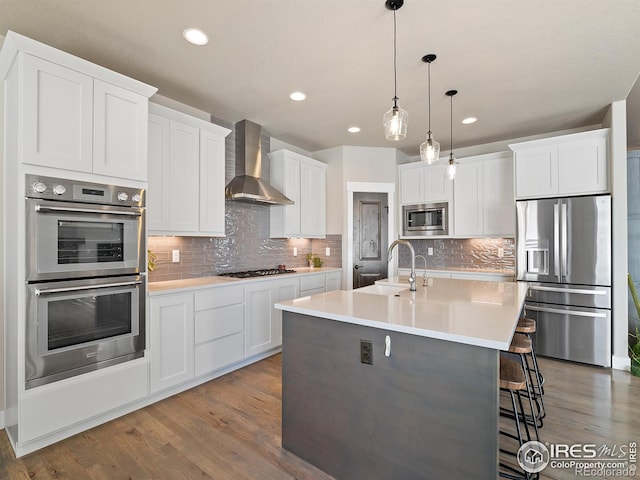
(195,36)
(353,129)
(469,120)
(297,96)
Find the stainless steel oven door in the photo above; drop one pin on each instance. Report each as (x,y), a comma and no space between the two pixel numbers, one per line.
(78,326)
(74,240)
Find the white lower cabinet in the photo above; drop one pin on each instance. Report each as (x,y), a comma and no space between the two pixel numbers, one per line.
(333,281)
(219,328)
(264,322)
(171,341)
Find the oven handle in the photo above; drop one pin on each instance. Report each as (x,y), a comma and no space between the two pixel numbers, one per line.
(568,290)
(44,208)
(46,291)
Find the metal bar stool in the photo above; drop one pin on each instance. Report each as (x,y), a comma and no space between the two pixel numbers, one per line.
(527,326)
(514,381)
(521,345)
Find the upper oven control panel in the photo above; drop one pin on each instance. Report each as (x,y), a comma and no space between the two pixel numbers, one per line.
(84,192)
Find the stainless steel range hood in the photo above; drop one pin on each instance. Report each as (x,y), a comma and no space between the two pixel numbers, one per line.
(247,185)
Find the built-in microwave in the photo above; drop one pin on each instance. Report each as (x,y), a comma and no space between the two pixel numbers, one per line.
(425,219)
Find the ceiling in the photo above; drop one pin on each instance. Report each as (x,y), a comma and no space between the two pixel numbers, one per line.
(522,67)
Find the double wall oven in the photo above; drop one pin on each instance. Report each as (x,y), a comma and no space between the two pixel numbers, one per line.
(85,272)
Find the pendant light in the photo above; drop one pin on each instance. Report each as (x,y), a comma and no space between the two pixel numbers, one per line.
(451,169)
(395,120)
(430,149)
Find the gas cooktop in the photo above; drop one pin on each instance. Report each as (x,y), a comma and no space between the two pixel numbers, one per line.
(256,273)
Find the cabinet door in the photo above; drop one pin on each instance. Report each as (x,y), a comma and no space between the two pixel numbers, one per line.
(184,152)
(283,290)
(292,191)
(172,340)
(412,184)
(333,281)
(57,116)
(582,167)
(212,183)
(437,184)
(158,202)
(313,217)
(499,205)
(537,172)
(260,321)
(468,200)
(120,119)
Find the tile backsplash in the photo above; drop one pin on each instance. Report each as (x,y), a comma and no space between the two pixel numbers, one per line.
(480,253)
(247,246)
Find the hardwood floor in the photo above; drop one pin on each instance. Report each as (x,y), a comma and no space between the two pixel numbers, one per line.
(229,428)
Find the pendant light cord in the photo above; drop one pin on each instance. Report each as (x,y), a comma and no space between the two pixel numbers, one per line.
(395,72)
(451,126)
(429,96)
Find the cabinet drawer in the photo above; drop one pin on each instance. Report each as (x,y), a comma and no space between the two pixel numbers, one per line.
(218,297)
(312,282)
(219,353)
(313,291)
(218,322)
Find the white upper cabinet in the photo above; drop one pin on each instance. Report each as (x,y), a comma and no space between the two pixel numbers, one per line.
(119,132)
(422,183)
(57,116)
(303,180)
(483,199)
(71,120)
(575,164)
(186,174)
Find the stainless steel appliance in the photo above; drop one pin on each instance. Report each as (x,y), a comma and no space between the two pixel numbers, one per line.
(425,219)
(85,271)
(564,251)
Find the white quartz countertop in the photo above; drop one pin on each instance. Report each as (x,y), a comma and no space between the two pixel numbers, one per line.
(472,312)
(205,282)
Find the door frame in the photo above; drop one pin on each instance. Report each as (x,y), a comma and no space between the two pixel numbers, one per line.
(372,187)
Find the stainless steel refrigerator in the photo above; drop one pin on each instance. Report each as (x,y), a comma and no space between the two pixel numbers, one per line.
(564,252)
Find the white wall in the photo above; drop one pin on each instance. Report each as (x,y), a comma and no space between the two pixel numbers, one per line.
(616,119)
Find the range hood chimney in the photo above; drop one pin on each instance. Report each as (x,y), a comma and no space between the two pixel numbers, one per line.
(247,185)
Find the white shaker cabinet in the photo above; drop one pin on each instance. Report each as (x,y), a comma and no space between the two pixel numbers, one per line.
(263,321)
(171,342)
(422,183)
(575,164)
(73,121)
(303,180)
(483,196)
(219,328)
(186,174)
(333,281)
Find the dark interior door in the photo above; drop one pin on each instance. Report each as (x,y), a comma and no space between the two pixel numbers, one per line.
(370,212)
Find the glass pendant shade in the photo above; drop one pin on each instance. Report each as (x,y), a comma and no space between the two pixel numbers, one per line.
(430,150)
(451,169)
(395,123)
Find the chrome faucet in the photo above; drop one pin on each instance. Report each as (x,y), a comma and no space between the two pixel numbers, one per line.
(412,276)
(424,272)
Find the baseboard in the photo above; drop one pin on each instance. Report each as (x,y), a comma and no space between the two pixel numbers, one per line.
(1,419)
(620,363)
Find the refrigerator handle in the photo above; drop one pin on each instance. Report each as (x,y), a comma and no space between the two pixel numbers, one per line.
(563,239)
(556,241)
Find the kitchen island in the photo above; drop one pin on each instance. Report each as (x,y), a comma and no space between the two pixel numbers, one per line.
(426,407)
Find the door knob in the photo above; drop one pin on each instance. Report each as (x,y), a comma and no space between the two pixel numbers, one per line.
(358,266)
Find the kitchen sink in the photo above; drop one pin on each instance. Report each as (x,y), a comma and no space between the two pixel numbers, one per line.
(381,290)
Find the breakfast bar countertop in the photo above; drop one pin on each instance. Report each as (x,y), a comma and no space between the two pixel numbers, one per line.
(471,312)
